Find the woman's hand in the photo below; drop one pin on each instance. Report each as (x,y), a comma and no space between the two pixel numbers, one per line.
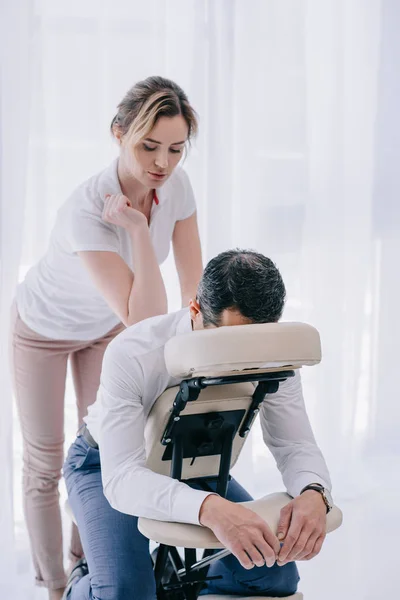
(118,211)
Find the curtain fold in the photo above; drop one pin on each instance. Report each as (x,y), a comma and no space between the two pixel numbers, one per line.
(296,157)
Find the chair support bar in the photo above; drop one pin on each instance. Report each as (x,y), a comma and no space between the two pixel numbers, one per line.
(263,388)
(205,562)
(189,390)
(186,393)
(225,462)
(242,378)
(177,458)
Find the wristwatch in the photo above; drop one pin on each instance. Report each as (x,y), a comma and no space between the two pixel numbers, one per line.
(326,495)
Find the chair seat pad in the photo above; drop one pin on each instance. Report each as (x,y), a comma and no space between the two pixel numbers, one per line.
(297,596)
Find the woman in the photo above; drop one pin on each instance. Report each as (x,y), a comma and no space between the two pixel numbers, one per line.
(100,273)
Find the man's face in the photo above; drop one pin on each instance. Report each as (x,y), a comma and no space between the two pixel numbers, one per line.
(228,318)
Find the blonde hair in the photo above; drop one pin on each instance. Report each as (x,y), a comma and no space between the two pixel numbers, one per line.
(146,102)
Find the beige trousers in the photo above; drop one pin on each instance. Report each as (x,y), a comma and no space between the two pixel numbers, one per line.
(39,368)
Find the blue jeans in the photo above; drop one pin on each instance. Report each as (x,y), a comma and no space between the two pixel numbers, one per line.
(120,567)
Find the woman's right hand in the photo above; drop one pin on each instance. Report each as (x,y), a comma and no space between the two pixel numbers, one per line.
(118,211)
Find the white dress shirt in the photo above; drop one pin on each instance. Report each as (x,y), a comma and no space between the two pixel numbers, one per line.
(133,376)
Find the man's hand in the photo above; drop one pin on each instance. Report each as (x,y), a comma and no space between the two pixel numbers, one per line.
(241,530)
(302,526)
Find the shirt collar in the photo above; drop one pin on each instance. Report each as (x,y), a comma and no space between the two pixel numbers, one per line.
(158,195)
(111,176)
(184,324)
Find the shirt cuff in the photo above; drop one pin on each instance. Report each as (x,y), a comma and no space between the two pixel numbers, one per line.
(187,504)
(305,479)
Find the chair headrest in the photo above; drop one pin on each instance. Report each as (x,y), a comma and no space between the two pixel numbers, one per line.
(227,350)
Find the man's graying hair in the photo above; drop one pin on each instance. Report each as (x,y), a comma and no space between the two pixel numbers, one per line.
(242,280)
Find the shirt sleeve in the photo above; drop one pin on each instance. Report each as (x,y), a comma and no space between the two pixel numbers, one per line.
(128,485)
(287,433)
(86,230)
(188,202)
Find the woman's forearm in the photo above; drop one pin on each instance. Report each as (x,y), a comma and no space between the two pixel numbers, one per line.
(188,295)
(148,296)
(188,260)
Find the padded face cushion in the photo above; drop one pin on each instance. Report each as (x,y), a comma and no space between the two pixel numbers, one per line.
(266,346)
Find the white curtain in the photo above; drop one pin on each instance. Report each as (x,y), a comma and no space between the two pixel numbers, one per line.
(15,91)
(297,157)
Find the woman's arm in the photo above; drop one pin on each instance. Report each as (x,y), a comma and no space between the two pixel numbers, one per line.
(133,297)
(187,253)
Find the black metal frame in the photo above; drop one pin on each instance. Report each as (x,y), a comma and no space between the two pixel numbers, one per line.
(182,580)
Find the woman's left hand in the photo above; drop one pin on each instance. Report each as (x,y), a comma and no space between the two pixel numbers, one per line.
(118,211)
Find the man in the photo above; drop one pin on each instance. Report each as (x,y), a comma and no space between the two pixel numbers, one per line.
(238,287)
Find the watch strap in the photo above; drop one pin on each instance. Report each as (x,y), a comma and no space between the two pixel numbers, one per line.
(317,487)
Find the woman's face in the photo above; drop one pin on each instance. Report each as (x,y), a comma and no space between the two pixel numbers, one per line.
(155,157)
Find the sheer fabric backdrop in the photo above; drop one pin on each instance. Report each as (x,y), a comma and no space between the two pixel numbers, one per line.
(296,157)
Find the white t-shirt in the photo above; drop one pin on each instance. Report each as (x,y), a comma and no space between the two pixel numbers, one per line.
(58,299)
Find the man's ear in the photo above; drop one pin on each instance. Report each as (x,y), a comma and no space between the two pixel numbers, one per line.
(195,314)
(194,309)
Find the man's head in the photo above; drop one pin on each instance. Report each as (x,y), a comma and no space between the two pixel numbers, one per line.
(238,287)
